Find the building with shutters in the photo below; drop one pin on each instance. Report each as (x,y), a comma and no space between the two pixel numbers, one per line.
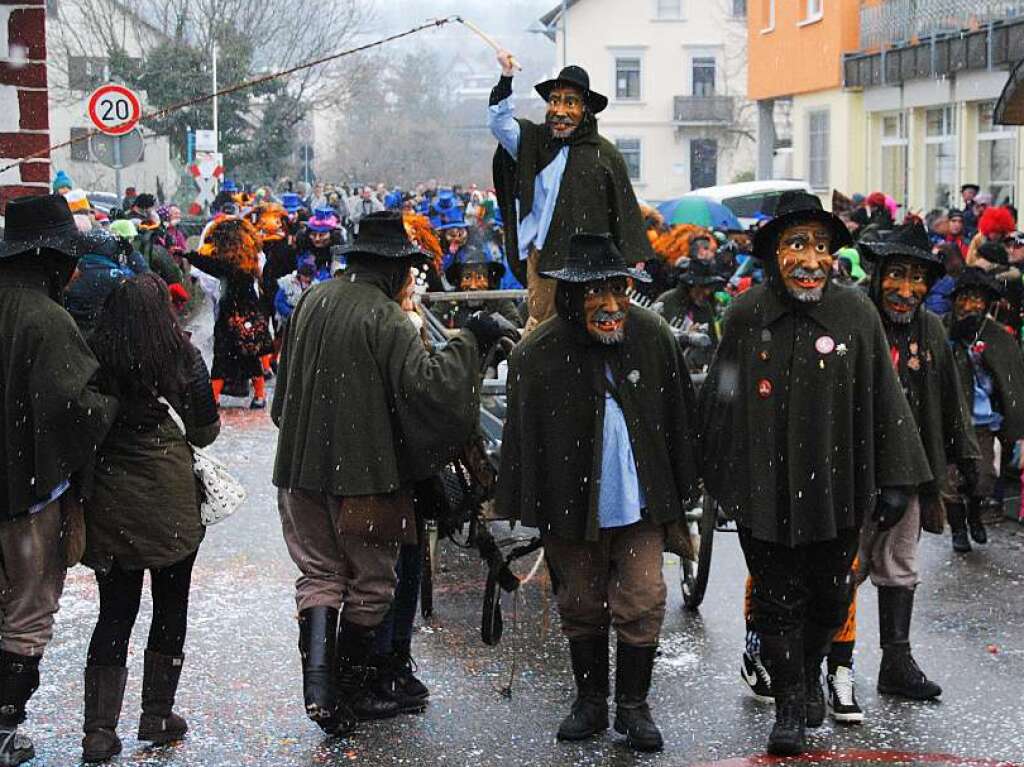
(675,73)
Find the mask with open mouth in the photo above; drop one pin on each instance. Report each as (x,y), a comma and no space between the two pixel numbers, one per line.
(604,310)
(805,260)
(565,111)
(904,287)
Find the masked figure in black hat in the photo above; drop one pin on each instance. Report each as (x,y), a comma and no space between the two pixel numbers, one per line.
(693,309)
(364,413)
(905,270)
(992,378)
(598,453)
(805,432)
(558,179)
(53,418)
(472,272)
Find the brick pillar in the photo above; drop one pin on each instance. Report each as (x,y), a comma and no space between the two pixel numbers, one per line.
(24,99)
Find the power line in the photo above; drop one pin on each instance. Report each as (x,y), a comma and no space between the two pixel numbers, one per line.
(432,24)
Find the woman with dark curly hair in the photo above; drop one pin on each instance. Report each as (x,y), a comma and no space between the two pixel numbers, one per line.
(144,511)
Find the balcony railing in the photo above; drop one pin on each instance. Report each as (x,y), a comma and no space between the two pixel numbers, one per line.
(892,22)
(703,110)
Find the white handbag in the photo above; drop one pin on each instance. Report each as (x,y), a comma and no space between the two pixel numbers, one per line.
(222,493)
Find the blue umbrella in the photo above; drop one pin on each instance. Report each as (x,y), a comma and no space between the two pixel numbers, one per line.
(701,211)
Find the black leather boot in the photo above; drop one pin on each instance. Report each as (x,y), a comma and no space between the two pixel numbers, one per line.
(19,679)
(589,714)
(318,636)
(358,677)
(817,641)
(159,723)
(974,524)
(783,656)
(957,516)
(898,673)
(397,680)
(104,693)
(633,668)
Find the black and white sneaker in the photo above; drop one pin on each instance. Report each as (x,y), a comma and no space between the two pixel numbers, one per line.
(842,700)
(753,672)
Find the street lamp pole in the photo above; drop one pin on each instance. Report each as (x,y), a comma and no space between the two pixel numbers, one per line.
(216,132)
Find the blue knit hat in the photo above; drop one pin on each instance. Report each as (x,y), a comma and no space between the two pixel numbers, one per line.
(62,180)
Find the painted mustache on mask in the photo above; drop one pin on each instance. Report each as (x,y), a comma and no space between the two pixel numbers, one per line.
(601,315)
(901,308)
(800,273)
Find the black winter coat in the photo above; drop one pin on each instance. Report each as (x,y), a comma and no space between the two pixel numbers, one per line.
(803,418)
(1003,361)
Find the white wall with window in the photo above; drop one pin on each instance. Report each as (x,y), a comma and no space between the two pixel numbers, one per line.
(940,157)
(997,153)
(818,130)
(894,155)
(631,149)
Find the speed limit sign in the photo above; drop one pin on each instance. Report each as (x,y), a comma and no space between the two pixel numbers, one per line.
(114,109)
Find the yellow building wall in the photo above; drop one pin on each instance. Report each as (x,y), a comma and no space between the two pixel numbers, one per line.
(847,171)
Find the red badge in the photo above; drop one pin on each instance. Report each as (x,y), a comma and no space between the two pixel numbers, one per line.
(764,388)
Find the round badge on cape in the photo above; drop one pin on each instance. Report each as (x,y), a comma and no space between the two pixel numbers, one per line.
(825,345)
(764,388)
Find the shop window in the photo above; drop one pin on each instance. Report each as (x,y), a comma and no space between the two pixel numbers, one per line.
(940,157)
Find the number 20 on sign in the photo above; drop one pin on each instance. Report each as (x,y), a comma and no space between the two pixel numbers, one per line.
(114,109)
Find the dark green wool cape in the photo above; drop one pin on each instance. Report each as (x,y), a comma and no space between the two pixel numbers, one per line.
(362,407)
(551,447)
(802,416)
(1002,359)
(595,196)
(52,417)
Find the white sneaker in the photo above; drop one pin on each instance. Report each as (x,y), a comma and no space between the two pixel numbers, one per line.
(842,700)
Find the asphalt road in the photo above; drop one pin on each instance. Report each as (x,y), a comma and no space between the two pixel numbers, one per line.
(241,690)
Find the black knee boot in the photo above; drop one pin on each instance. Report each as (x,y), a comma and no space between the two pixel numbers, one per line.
(358,675)
(817,641)
(957,515)
(974,524)
(899,673)
(159,723)
(784,658)
(318,636)
(104,693)
(589,714)
(633,668)
(19,678)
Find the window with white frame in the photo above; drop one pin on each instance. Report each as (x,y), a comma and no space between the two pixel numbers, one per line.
(631,151)
(997,152)
(817,148)
(939,156)
(669,9)
(814,10)
(895,147)
(768,14)
(703,70)
(627,78)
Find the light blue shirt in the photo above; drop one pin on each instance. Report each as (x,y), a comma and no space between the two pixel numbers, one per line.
(533,230)
(620,498)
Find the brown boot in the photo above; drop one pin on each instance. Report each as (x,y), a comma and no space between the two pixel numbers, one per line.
(158,723)
(104,692)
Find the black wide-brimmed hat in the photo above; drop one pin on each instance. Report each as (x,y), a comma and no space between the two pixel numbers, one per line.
(383,235)
(910,240)
(965,187)
(40,221)
(796,207)
(701,273)
(575,77)
(472,256)
(594,257)
(973,277)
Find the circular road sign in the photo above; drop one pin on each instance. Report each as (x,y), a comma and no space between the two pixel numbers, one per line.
(114,109)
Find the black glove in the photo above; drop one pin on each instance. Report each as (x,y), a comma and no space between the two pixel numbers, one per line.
(890,507)
(141,414)
(487,330)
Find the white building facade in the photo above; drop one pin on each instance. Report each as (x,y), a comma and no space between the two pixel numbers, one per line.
(675,75)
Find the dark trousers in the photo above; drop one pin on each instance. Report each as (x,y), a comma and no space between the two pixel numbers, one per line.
(120,594)
(395,632)
(803,591)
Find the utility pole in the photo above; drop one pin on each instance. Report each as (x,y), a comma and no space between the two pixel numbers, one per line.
(565,33)
(216,131)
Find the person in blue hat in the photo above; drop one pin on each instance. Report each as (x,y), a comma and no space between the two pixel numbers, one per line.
(453,232)
(473,271)
(62,183)
(291,203)
(494,247)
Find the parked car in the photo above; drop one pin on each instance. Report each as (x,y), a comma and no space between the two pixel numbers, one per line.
(750,199)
